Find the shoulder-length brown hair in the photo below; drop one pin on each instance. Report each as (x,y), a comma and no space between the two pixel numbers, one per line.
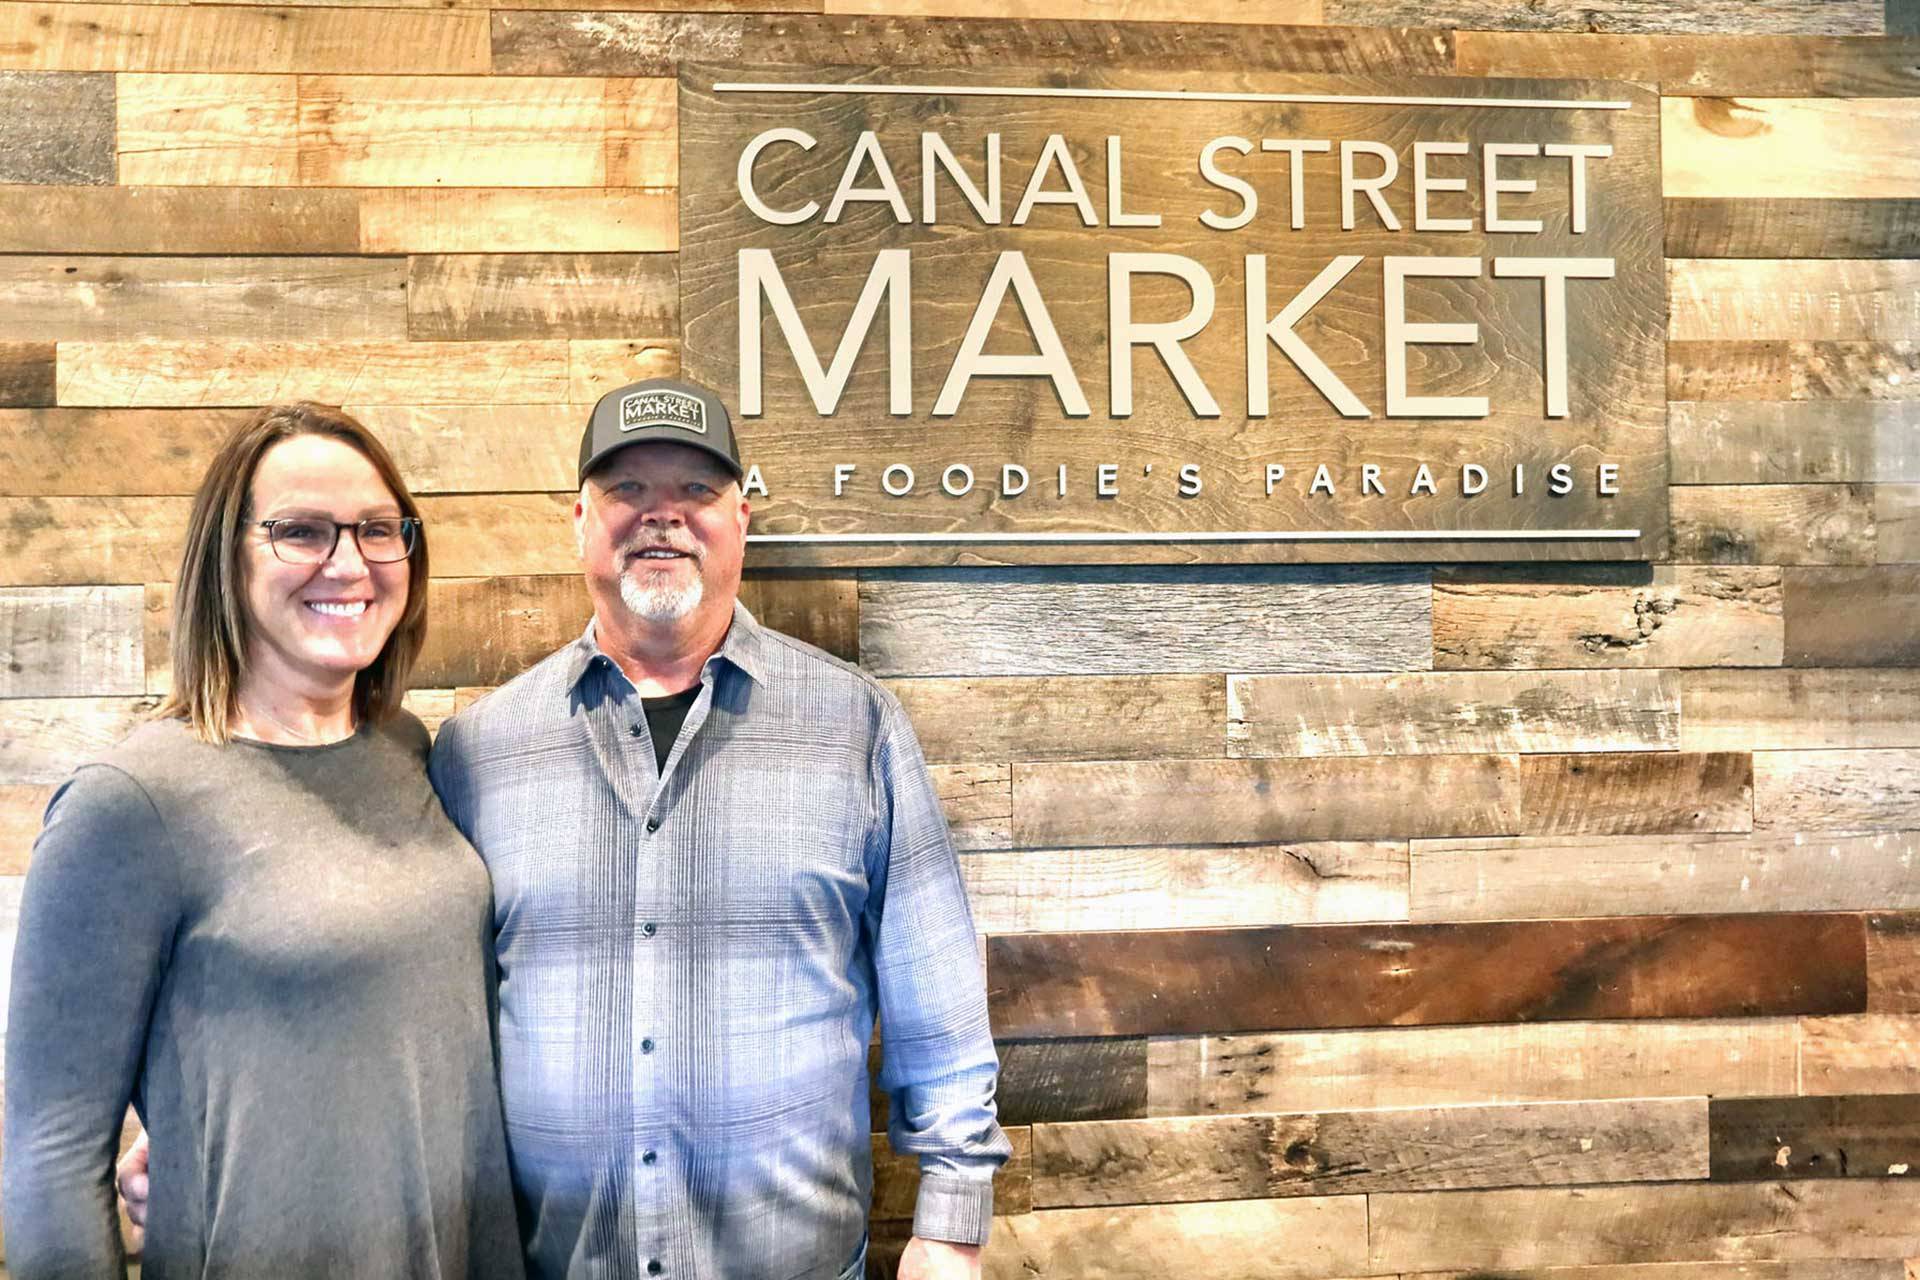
(210,624)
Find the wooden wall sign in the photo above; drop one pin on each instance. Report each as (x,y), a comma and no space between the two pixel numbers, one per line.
(1122,316)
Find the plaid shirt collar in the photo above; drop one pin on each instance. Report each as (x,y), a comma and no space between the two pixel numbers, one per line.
(742,648)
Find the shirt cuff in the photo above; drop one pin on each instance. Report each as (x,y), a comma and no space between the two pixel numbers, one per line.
(956,1210)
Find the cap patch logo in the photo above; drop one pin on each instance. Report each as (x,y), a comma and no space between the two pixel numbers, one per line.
(663,409)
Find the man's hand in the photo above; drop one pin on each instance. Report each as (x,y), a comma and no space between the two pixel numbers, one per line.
(131,1177)
(939,1260)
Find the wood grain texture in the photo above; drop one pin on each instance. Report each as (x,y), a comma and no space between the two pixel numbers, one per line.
(207,130)
(1789,227)
(1325,1236)
(1605,616)
(822,609)
(22,805)
(1794,442)
(1772,524)
(507,534)
(1873,790)
(1868,1053)
(1064,890)
(1652,792)
(1775,369)
(1006,718)
(1595,1225)
(27,374)
(42,740)
(1431,1066)
(1798,709)
(469,297)
(66,642)
(1794,66)
(978,802)
(1699,17)
(90,541)
(1768,1139)
(121,299)
(604,43)
(56,129)
(1190,982)
(175,220)
(599,365)
(1347,1153)
(1896,523)
(1141,620)
(511,220)
(1301,12)
(1802,1269)
(1852,617)
(896,1179)
(1451,712)
(480,448)
(1836,300)
(1052,1081)
(1893,963)
(1813,147)
(1544,878)
(245,38)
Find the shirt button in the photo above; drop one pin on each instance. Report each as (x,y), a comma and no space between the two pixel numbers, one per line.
(647,929)
(653,825)
(648,1157)
(634,730)
(646,1046)
(653,1267)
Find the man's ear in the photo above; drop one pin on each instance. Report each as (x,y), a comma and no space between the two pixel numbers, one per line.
(580,523)
(746,514)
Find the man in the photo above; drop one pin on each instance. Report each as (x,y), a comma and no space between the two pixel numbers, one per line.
(716,855)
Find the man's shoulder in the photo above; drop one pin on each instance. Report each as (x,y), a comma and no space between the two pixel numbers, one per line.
(535,694)
(791,658)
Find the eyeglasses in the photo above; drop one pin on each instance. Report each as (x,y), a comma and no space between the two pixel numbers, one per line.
(311,540)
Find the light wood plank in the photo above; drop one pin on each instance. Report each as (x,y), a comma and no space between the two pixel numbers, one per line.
(1432,1066)
(1775,369)
(207,130)
(42,740)
(469,297)
(1326,1236)
(1772,524)
(1863,1053)
(1794,442)
(1066,890)
(161,220)
(262,299)
(1818,147)
(91,541)
(1786,227)
(495,448)
(1801,1269)
(109,452)
(1853,617)
(1003,718)
(1119,621)
(1798,709)
(255,373)
(600,365)
(21,807)
(1114,1162)
(241,38)
(1795,66)
(1631,616)
(60,642)
(1298,12)
(1896,520)
(1837,790)
(554,220)
(1699,17)
(978,802)
(1697,1222)
(1447,712)
(1811,300)
(432,706)
(502,535)
(1546,878)
(56,128)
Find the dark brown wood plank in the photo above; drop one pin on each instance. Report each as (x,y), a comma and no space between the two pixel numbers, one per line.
(1778,369)
(655,44)
(1768,1139)
(1893,962)
(1852,617)
(1066,717)
(1788,227)
(1625,793)
(468,297)
(26,374)
(822,609)
(56,129)
(1048,1081)
(896,1179)
(1185,982)
(236,220)
(1775,66)
(1698,17)
(1747,442)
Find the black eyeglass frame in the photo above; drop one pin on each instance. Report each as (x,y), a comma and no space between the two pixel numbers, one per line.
(409,535)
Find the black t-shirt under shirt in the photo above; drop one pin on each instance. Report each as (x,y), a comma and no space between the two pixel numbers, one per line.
(664,718)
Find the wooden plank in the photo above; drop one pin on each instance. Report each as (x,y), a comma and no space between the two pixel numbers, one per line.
(27,374)
(1896,521)
(1772,524)
(1767,1139)
(22,805)
(1188,982)
(599,365)
(1869,1053)
(1814,147)
(896,1179)
(602,43)
(205,220)
(1852,617)
(1432,1066)
(466,131)
(60,642)
(264,299)
(468,297)
(1064,890)
(1325,1236)
(1606,616)
(518,221)
(489,630)
(1790,227)
(1789,442)
(56,129)
(1049,1081)
(822,609)
(1001,718)
(432,706)
(978,802)
(495,448)
(1143,620)
(1774,369)
(1556,877)
(1893,962)
(164,374)
(192,37)
(91,541)
(1774,66)
(207,130)
(1683,1222)
(1801,1269)
(1448,712)
(1296,12)
(1798,709)
(1115,1162)
(1621,794)
(109,452)
(42,740)
(1701,17)
(1837,300)
(1871,790)
(504,535)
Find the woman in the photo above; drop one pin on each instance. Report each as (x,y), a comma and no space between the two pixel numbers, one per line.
(252,919)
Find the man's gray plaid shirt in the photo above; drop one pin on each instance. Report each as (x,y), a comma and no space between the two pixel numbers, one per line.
(691,962)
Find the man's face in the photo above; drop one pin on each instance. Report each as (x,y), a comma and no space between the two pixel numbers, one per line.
(662,530)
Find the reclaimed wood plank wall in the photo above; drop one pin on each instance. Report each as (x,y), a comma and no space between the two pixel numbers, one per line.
(1339,922)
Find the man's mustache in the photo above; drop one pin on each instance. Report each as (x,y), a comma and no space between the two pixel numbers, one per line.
(634,546)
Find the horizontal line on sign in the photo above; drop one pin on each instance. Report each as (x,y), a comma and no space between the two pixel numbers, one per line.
(1260,535)
(1167,95)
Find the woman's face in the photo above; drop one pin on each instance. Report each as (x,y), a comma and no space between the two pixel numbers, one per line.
(313,626)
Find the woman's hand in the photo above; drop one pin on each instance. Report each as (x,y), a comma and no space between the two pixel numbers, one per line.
(130,1175)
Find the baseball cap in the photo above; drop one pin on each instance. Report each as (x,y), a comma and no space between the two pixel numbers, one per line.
(667,410)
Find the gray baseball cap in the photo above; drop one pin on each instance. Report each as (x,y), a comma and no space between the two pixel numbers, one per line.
(667,410)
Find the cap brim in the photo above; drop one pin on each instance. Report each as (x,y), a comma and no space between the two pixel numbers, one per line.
(663,434)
